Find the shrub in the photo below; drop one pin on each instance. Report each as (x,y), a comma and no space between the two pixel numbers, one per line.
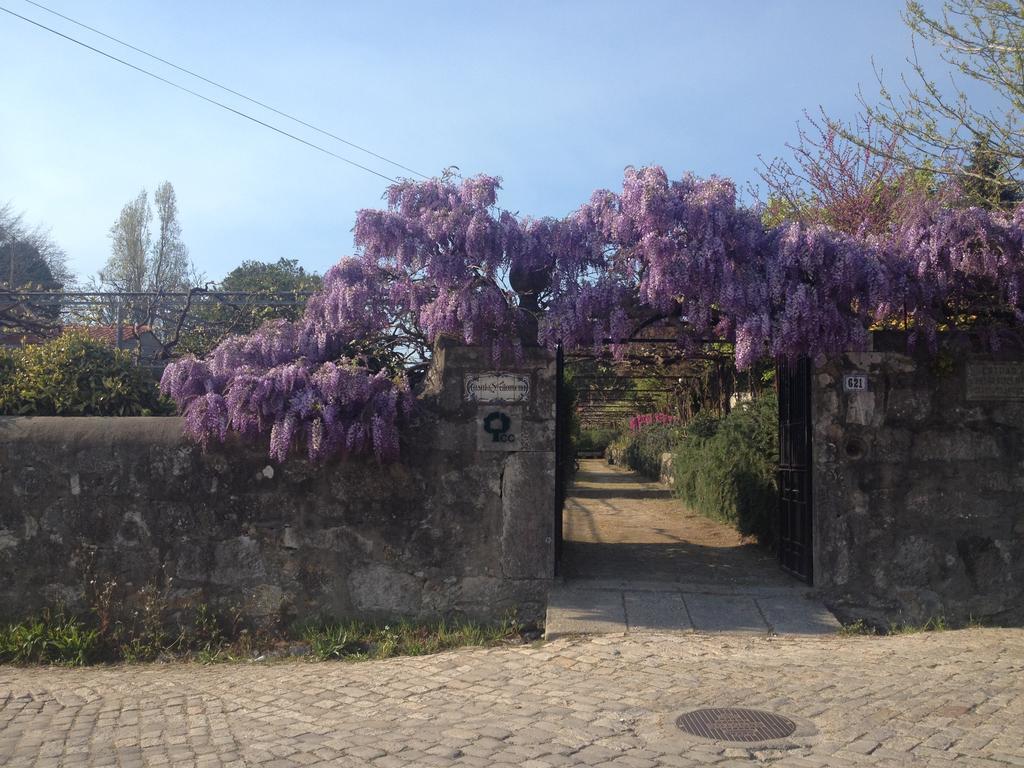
(595,439)
(641,449)
(725,467)
(615,452)
(74,375)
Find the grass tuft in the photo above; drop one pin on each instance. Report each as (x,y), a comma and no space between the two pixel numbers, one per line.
(357,640)
(49,639)
(53,638)
(855,628)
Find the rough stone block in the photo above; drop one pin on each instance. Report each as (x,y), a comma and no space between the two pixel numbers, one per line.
(527,508)
(378,589)
(956,445)
(913,405)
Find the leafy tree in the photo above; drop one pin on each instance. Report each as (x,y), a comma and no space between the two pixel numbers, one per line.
(940,129)
(986,182)
(281,277)
(169,268)
(127,269)
(273,291)
(14,230)
(139,263)
(29,260)
(25,268)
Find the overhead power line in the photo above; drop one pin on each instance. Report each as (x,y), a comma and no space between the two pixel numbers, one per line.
(227,89)
(199,95)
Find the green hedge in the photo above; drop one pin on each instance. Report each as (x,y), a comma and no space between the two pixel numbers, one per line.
(642,448)
(725,467)
(74,375)
(595,439)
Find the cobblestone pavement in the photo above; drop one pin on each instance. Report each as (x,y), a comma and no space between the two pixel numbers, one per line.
(930,699)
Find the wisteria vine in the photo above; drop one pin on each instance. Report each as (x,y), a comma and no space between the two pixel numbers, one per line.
(442,260)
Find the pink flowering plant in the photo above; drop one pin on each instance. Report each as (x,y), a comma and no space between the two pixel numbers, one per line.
(641,420)
(441,259)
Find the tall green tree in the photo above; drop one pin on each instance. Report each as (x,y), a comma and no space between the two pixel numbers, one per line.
(29,256)
(24,268)
(272,290)
(29,261)
(169,264)
(986,180)
(284,278)
(130,239)
(140,262)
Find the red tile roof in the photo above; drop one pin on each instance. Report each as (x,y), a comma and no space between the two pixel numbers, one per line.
(106,333)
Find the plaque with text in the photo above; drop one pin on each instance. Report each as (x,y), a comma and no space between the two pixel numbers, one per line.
(498,387)
(995,381)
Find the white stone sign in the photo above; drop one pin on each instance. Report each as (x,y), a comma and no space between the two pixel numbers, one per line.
(855,382)
(497,387)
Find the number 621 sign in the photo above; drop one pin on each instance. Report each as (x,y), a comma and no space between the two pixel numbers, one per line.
(855,382)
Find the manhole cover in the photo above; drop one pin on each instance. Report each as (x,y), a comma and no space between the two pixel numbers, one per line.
(732,724)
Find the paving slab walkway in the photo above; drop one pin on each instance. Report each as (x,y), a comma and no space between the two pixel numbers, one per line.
(937,699)
(636,560)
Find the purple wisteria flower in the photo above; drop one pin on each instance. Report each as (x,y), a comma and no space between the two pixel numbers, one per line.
(442,260)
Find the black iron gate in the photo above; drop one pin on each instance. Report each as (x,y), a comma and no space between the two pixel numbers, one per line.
(562,448)
(795,509)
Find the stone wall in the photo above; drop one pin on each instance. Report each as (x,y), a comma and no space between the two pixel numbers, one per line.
(459,527)
(616,454)
(666,474)
(918,485)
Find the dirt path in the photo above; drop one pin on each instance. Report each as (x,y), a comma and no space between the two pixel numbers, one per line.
(618,525)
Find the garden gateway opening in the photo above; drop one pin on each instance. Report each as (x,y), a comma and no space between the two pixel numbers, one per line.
(655,388)
(640,551)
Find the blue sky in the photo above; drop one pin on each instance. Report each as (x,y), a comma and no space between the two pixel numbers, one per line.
(555,97)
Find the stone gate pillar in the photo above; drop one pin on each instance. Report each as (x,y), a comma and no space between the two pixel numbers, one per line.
(498,428)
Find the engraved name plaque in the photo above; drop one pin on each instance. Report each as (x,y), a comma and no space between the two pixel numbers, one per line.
(993,381)
(497,387)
